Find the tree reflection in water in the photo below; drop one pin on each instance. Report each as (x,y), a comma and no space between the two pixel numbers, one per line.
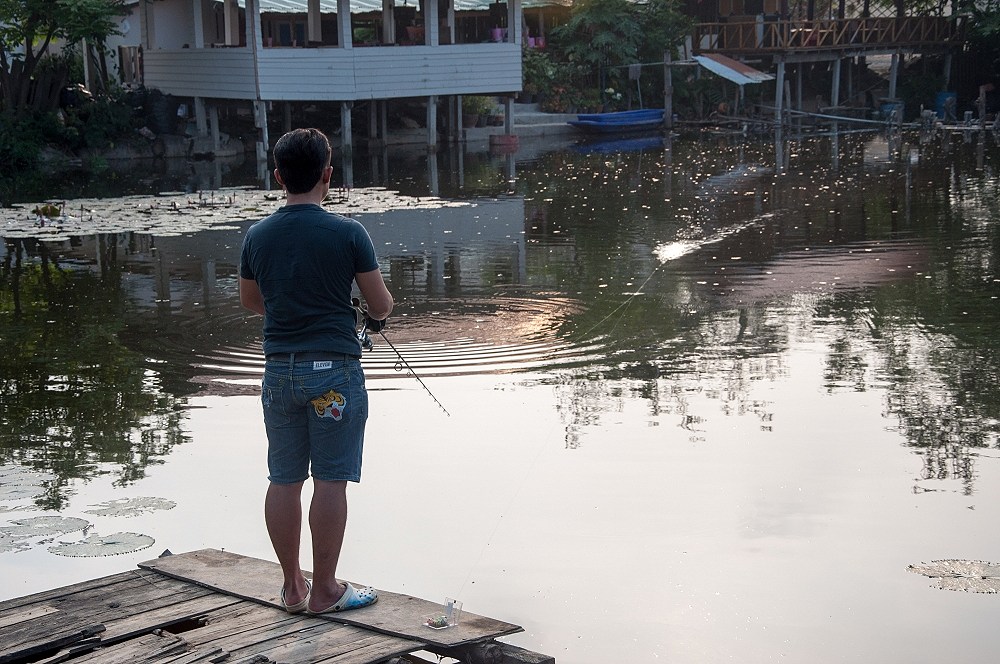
(75,401)
(890,265)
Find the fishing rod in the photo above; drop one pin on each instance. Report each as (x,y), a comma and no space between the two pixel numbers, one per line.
(362,327)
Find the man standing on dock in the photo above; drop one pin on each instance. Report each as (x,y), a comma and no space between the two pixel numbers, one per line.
(297,269)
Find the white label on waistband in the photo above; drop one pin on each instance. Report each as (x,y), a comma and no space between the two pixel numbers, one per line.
(326,364)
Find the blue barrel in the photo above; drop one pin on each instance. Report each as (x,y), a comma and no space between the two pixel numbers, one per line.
(942,100)
(891,107)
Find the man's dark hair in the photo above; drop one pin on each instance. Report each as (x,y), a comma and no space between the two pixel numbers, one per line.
(300,157)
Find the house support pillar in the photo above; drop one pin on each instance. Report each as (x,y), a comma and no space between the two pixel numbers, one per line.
(200,118)
(147,36)
(388,23)
(346,139)
(231,22)
(835,88)
(432,107)
(947,71)
(668,92)
(373,135)
(286,120)
(345,38)
(508,115)
(513,21)
(346,170)
(383,121)
(260,122)
(314,23)
(199,27)
(432,26)
(779,91)
(798,86)
(893,75)
(213,126)
(850,81)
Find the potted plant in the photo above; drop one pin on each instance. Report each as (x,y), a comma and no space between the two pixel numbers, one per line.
(475,109)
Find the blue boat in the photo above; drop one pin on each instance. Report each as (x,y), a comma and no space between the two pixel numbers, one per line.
(619,121)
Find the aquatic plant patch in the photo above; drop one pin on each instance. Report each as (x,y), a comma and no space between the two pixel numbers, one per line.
(18,537)
(107,545)
(177,213)
(975,576)
(128,507)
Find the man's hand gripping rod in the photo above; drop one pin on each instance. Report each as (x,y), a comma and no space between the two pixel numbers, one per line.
(366,323)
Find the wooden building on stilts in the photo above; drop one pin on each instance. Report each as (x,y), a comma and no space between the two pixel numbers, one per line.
(793,37)
(267,56)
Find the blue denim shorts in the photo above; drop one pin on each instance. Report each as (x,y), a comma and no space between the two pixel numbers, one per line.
(315,409)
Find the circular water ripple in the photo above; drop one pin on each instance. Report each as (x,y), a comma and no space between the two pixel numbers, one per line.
(446,338)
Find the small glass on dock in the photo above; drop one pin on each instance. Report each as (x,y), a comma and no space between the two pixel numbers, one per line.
(447,616)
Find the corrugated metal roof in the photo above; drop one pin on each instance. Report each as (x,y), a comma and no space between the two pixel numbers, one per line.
(732,70)
(359,6)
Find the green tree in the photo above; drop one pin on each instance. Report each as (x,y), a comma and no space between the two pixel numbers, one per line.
(601,34)
(28,29)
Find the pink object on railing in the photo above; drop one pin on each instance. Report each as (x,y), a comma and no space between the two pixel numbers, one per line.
(496,34)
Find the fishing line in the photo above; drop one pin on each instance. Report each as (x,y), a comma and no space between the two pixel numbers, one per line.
(414,373)
(361,319)
(623,305)
(489,540)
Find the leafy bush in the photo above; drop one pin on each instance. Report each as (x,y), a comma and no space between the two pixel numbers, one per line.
(478,105)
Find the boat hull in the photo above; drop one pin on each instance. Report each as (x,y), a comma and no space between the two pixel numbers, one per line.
(619,122)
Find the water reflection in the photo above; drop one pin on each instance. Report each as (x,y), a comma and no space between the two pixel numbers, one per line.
(77,402)
(657,270)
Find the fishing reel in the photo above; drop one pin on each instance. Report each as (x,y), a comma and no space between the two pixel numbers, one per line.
(363,323)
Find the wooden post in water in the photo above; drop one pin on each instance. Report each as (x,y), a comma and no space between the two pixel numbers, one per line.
(835,89)
(893,74)
(779,91)
(668,93)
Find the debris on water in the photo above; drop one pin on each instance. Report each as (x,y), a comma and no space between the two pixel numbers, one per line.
(176,213)
(107,545)
(969,575)
(131,506)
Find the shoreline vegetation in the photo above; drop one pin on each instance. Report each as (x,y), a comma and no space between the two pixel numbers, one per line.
(73,127)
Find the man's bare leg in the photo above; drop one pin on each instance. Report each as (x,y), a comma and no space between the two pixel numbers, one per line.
(327,521)
(283,516)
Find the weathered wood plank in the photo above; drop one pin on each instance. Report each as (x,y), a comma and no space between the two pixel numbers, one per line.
(98,605)
(260,581)
(145,648)
(65,591)
(240,618)
(243,634)
(123,610)
(165,616)
(22,651)
(321,644)
(24,614)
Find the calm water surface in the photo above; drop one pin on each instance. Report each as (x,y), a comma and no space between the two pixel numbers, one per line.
(709,399)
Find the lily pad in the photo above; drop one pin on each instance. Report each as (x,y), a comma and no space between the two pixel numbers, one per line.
(969,575)
(20,491)
(43,526)
(11,544)
(131,506)
(107,545)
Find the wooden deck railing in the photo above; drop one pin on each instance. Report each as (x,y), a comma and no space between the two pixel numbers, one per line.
(852,33)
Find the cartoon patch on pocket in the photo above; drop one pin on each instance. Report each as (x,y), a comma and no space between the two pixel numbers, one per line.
(330,404)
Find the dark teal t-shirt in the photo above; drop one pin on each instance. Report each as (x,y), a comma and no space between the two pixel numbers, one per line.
(304,259)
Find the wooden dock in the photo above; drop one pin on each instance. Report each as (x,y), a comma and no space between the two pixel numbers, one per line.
(212,607)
